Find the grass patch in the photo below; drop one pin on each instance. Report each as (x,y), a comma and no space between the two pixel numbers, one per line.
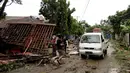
(122,55)
(10,66)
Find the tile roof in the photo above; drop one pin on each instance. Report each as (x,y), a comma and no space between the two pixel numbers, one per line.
(22,20)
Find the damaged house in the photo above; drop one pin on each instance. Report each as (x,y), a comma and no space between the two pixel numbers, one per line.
(26,34)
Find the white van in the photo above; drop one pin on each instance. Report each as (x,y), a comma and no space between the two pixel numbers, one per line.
(93,44)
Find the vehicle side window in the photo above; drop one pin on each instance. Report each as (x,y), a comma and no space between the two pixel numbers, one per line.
(102,38)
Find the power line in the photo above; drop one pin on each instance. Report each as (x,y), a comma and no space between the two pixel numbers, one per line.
(85,8)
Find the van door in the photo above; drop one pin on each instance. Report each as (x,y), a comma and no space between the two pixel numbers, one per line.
(103,43)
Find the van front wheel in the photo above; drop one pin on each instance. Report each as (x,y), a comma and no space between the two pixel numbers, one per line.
(83,56)
(102,56)
(105,52)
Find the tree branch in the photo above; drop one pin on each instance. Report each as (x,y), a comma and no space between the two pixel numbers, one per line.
(3,8)
(9,4)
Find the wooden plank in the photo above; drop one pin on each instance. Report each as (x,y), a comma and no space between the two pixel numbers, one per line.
(24,36)
(48,35)
(44,38)
(41,37)
(52,31)
(44,34)
(12,33)
(22,33)
(29,28)
(35,36)
(44,42)
(38,37)
(7,33)
(5,30)
(20,28)
(31,34)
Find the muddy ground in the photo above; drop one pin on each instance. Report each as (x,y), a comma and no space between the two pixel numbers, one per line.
(74,64)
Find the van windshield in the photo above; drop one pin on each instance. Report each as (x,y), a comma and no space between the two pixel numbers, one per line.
(90,39)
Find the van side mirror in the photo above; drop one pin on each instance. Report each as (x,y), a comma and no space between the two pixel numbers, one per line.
(102,40)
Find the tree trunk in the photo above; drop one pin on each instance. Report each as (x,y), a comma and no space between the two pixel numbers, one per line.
(3,7)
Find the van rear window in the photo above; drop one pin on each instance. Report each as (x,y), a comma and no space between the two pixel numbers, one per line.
(90,39)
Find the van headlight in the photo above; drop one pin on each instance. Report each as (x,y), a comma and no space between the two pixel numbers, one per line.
(98,48)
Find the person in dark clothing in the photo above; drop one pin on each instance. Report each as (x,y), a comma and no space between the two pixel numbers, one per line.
(59,42)
(65,43)
(60,46)
(54,45)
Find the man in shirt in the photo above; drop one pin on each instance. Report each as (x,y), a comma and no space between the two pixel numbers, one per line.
(60,45)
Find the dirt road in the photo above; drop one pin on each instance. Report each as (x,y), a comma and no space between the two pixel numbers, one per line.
(74,64)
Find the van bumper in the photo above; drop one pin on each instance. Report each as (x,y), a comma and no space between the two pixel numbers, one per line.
(90,52)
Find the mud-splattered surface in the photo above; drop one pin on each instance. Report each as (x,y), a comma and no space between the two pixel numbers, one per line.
(74,64)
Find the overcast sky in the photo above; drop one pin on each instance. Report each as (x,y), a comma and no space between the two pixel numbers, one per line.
(96,10)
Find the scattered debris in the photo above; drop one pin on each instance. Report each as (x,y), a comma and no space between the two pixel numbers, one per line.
(114,70)
(73,53)
(57,60)
(94,67)
(128,71)
(3,55)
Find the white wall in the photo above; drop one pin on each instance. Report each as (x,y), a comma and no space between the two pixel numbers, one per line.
(126,38)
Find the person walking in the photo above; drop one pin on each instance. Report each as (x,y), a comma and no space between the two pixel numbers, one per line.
(60,45)
(54,45)
(76,43)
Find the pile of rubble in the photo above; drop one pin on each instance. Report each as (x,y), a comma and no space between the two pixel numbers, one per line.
(24,40)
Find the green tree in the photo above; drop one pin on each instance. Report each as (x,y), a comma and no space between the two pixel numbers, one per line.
(58,12)
(115,21)
(69,17)
(84,23)
(77,28)
(120,18)
(104,28)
